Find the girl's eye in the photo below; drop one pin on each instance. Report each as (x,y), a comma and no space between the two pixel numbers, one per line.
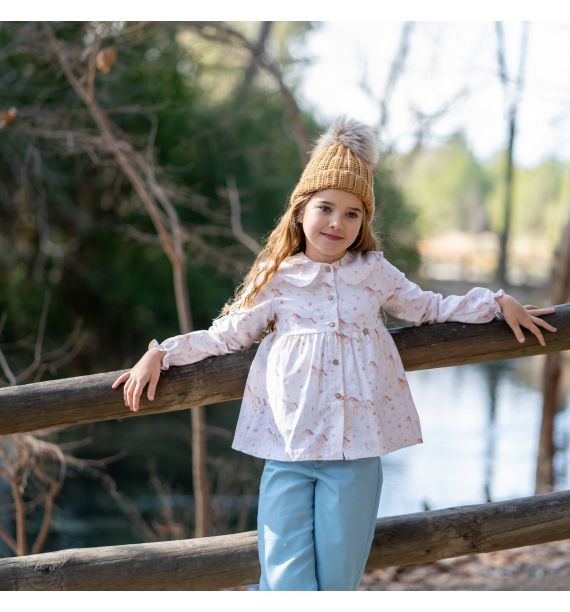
(354,215)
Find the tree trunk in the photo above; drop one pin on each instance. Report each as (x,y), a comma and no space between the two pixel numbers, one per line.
(507,213)
(513,92)
(197,416)
(560,288)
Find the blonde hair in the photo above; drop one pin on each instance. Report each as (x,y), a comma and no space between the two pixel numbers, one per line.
(285,240)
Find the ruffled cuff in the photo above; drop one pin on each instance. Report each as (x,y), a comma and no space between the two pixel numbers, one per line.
(498,311)
(155,344)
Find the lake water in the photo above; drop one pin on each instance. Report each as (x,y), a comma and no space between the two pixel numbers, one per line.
(480,428)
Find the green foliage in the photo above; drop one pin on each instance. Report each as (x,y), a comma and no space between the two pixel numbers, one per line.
(68,215)
(447,186)
(540,194)
(185,96)
(396,221)
(450,189)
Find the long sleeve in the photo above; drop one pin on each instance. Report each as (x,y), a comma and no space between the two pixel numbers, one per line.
(407,301)
(229,333)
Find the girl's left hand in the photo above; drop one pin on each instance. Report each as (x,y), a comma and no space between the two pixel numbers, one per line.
(528,316)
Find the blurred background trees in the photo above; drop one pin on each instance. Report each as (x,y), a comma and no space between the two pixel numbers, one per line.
(213,141)
(206,116)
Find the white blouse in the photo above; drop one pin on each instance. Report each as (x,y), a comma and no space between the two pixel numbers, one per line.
(328,383)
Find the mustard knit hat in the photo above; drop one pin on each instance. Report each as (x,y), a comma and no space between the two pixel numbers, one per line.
(344,158)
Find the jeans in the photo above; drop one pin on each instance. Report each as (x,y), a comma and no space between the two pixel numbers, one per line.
(315,523)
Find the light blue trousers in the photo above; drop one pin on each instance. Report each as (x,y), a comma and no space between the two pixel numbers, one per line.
(315,523)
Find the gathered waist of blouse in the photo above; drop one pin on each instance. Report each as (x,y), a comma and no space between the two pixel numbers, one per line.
(332,327)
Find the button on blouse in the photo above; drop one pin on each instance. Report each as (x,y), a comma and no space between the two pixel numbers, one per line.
(296,405)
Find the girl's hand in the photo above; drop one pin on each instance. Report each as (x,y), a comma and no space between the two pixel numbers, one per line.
(528,316)
(145,370)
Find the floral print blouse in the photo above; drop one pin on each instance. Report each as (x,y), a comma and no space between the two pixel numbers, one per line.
(328,382)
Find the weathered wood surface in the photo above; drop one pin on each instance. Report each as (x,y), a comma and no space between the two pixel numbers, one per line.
(87,399)
(227,561)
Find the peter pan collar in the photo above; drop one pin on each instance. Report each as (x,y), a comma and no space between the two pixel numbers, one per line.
(353,267)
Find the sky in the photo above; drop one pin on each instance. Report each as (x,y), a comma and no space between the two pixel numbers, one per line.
(448,62)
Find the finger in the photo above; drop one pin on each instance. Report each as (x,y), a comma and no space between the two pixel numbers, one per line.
(131,396)
(126,392)
(538,313)
(136,395)
(121,378)
(130,389)
(517,331)
(544,324)
(528,306)
(534,329)
(541,309)
(152,387)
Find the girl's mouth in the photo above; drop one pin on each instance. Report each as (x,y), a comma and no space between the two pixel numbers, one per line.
(331,237)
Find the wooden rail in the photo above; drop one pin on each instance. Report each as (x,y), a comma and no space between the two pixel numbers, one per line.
(87,399)
(231,560)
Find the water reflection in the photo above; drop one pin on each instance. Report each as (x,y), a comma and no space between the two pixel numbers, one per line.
(480,428)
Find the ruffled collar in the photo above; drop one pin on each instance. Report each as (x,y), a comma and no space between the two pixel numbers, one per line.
(353,267)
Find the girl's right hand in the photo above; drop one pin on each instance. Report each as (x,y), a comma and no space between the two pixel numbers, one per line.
(145,370)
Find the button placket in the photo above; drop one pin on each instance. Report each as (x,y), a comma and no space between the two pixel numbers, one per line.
(334,306)
(331,298)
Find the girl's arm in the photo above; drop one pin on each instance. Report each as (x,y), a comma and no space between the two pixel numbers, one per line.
(405,300)
(232,332)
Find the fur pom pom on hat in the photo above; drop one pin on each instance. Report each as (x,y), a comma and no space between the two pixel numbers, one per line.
(344,158)
(356,136)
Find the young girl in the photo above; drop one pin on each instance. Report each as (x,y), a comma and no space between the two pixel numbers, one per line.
(326,395)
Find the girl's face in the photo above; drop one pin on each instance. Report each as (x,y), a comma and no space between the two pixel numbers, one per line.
(334,213)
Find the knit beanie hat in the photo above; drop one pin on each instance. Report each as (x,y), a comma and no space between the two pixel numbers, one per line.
(344,158)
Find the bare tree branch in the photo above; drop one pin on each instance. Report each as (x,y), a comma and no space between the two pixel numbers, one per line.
(396,71)
(224,33)
(54,488)
(141,174)
(241,236)
(259,50)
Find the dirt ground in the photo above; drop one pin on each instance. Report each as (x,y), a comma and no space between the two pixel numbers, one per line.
(543,567)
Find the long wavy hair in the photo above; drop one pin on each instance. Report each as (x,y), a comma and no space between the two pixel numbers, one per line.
(288,238)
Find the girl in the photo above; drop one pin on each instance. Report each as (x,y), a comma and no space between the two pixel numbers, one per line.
(326,396)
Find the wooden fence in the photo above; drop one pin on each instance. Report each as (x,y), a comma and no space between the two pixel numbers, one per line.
(231,560)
